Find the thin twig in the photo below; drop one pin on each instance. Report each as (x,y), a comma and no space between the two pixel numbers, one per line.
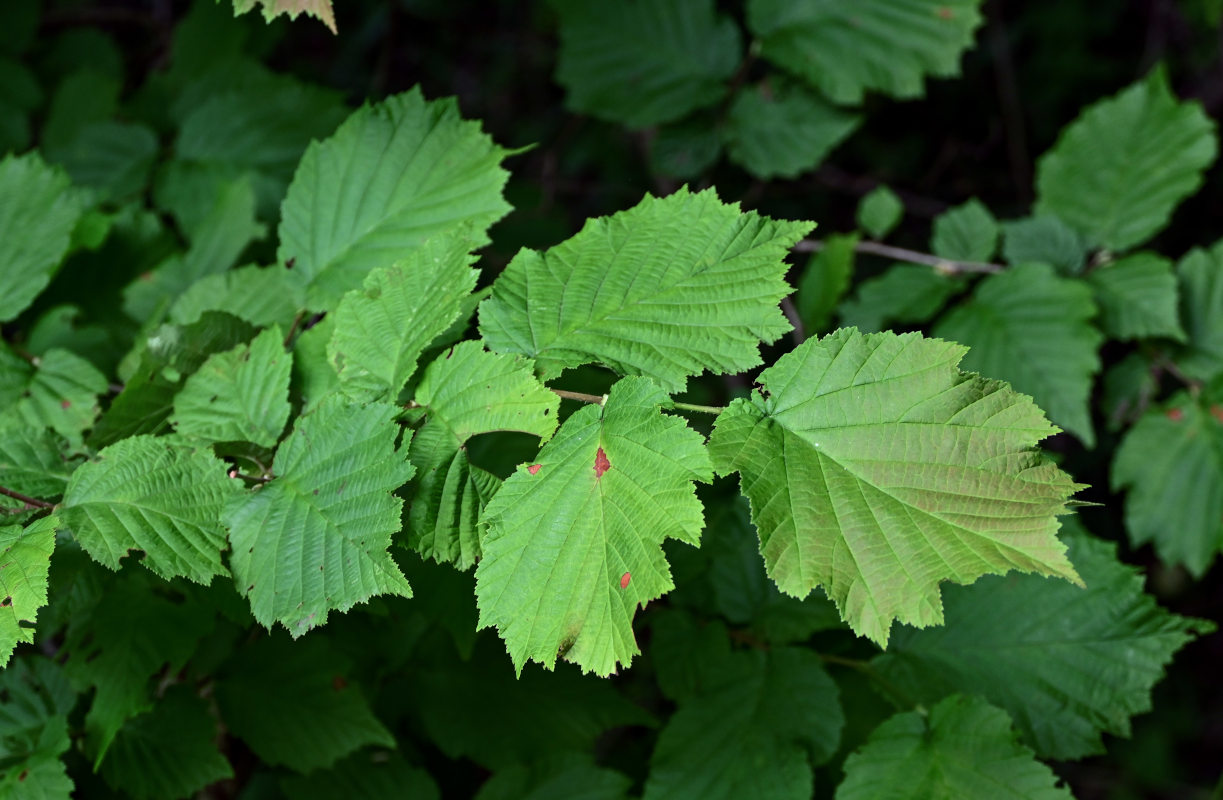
(945,265)
(297,320)
(32,502)
(901,697)
(582,396)
(694,407)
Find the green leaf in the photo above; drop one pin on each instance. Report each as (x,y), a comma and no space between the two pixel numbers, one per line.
(564,533)
(479,709)
(167,752)
(1049,653)
(845,49)
(727,576)
(561,777)
(644,62)
(34,729)
(113,157)
(465,392)
(319,9)
(904,294)
(1032,328)
(38,211)
(156,495)
(376,776)
(1044,240)
(25,558)
(217,243)
(168,355)
(610,294)
(1201,282)
(315,538)
(856,456)
(967,232)
(381,329)
(780,129)
(57,390)
(1137,297)
(240,395)
(84,97)
(686,149)
(1128,388)
(32,462)
(879,211)
(291,702)
(1118,171)
(824,282)
(1171,463)
(260,127)
(394,175)
(118,643)
(262,296)
(963,747)
(754,728)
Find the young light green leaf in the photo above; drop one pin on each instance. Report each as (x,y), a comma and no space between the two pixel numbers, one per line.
(1066,662)
(25,558)
(761,720)
(574,541)
(845,49)
(904,294)
(611,293)
(167,752)
(1118,171)
(290,702)
(1044,240)
(319,9)
(117,644)
(169,354)
(780,129)
(825,281)
(1032,328)
(262,296)
(644,62)
(331,506)
(464,392)
(394,175)
(1137,297)
(1200,274)
(963,747)
(1171,463)
(879,211)
(154,494)
(864,457)
(38,212)
(381,329)
(58,390)
(240,395)
(967,232)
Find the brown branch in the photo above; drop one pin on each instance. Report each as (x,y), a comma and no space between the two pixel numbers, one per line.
(945,265)
(32,502)
(582,396)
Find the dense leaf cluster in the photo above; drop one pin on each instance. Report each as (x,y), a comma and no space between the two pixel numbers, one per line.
(277,444)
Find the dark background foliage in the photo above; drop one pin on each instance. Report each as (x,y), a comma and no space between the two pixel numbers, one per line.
(1034,66)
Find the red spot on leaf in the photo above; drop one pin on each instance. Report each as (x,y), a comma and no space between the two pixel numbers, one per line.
(533,469)
(1175,414)
(624,579)
(65,404)
(146,276)
(945,13)
(601,463)
(289,264)
(1216,411)
(338,683)
(25,773)
(233,472)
